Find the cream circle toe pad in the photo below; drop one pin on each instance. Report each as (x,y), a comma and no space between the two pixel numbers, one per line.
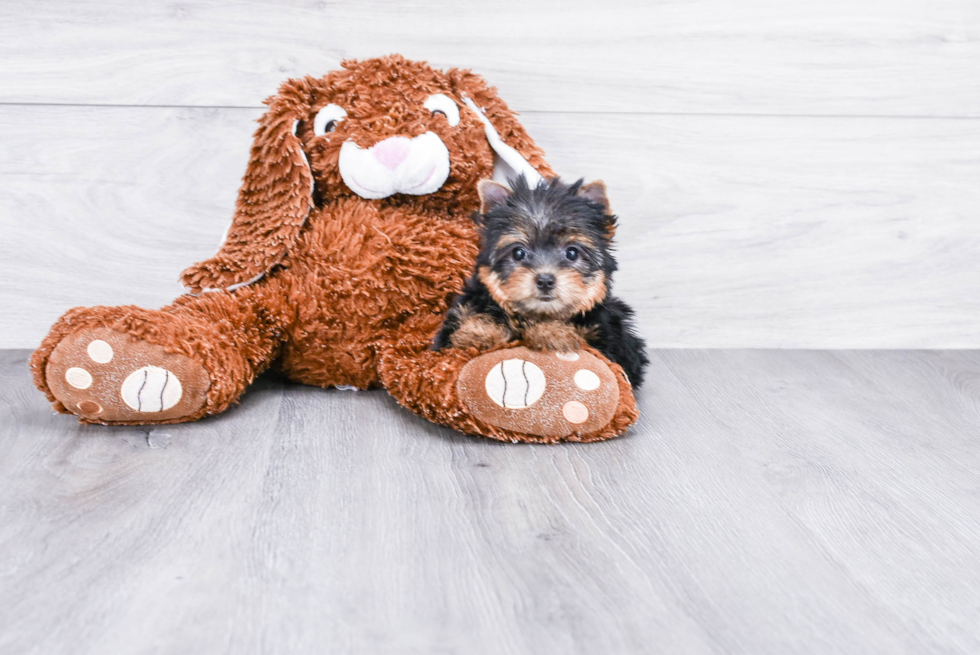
(515,384)
(151,389)
(100,352)
(78,378)
(586,380)
(575,412)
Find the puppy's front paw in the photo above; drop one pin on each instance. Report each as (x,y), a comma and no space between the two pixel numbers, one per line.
(479,332)
(552,335)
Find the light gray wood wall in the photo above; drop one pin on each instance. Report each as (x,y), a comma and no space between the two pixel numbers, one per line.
(800,174)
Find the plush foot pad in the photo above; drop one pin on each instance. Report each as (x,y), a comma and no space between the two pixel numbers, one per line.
(107,376)
(541,393)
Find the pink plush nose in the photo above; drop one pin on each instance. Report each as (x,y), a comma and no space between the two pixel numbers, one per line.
(392,151)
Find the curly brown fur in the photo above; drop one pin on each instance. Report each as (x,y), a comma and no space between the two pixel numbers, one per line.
(545,268)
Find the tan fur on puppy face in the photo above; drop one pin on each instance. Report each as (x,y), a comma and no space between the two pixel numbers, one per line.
(578,293)
(510,293)
(518,294)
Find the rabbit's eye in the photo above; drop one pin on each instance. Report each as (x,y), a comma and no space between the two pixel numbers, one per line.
(442,104)
(327,118)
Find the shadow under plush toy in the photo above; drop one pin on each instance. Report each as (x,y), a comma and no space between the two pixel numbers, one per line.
(351,235)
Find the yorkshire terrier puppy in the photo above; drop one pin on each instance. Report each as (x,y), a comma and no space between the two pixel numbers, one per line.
(544,275)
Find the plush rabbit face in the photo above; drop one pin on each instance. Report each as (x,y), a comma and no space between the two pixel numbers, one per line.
(387,130)
(394,142)
(390,126)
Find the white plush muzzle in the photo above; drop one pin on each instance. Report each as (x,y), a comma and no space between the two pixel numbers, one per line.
(416,166)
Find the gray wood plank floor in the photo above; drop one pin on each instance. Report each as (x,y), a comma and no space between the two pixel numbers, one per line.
(767,502)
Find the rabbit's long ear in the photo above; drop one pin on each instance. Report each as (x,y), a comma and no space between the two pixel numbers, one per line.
(515,151)
(273,203)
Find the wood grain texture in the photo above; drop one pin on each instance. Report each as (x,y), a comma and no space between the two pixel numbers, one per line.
(735,231)
(853,57)
(766,502)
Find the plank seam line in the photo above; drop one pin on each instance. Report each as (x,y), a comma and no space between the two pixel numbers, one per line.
(964,117)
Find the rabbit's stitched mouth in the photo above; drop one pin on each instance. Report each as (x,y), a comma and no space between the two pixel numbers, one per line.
(426,181)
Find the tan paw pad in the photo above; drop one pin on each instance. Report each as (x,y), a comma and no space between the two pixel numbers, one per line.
(108,376)
(545,394)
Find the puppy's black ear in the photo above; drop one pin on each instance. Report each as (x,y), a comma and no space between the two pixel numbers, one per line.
(595,192)
(491,194)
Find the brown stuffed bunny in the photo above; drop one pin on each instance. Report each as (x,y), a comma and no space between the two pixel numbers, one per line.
(351,235)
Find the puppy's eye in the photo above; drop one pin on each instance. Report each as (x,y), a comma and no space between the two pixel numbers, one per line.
(519,254)
(572,253)
(441,104)
(327,118)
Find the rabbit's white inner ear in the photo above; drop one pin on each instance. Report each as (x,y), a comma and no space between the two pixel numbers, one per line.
(502,171)
(508,163)
(305,159)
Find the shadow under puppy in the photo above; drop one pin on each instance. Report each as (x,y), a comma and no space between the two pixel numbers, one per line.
(544,275)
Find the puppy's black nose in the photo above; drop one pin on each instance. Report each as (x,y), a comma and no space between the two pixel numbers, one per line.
(545,282)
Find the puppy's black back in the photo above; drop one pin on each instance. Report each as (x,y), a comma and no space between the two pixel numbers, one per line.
(612,332)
